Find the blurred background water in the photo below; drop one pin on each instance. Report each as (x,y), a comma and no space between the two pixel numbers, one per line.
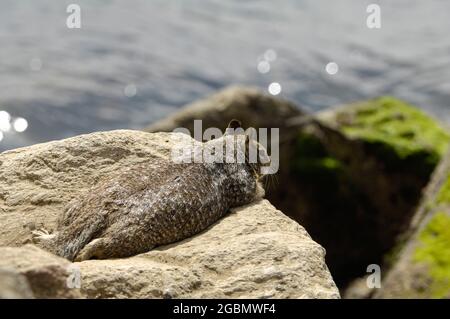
(136,61)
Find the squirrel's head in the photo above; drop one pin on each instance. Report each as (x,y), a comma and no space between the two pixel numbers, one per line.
(246,145)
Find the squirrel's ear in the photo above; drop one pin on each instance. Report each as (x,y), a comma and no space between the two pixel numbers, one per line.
(233,127)
(234,124)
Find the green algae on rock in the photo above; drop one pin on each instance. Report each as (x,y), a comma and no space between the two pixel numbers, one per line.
(365,165)
(434,241)
(444,194)
(407,137)
(312,159)
(422,268)
(434,250)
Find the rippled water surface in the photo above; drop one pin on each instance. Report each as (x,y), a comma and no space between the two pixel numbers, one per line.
(135,61)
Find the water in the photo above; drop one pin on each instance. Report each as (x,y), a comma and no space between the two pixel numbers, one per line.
(66,82)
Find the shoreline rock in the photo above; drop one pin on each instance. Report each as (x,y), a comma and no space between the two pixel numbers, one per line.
(420,267)
(45,274)
(14,285)
(363,167)
(254,252)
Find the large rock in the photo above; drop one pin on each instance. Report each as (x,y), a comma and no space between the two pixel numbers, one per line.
(14,285)
(37,182)
(420,267)
(256,251)
(357,174)
(45,274)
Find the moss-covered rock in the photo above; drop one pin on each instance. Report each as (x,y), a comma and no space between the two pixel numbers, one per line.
(404,136)
(434,250)
(313,161)
(329,203)
(358,172)
(444,193)
(422,268)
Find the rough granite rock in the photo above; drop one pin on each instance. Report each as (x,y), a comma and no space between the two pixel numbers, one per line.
(45,273)
(14,285)
(256,251)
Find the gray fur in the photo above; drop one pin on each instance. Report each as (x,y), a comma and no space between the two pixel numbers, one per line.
(152,204)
